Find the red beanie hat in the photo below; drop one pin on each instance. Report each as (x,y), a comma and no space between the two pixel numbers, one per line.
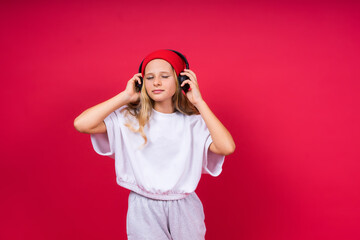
(175,60)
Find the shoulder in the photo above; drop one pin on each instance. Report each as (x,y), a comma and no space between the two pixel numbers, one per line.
(121,110)
(122,114)
(194,119)
(197,125)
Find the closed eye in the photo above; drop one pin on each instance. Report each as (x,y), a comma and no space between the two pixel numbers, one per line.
(152,77)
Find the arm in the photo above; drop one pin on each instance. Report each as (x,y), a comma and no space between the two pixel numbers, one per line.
(92,119)
(223,142)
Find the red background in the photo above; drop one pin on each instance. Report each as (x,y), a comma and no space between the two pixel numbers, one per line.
(282,77)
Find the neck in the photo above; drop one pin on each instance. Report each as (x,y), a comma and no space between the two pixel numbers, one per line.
(164,107)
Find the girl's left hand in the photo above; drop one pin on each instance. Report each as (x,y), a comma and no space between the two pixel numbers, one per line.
(193,94)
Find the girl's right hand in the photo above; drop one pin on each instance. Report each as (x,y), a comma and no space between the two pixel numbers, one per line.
(130,90)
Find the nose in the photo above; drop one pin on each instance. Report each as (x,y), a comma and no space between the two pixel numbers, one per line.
(157,81)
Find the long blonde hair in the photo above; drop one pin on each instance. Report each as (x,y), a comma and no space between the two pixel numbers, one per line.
(142,109)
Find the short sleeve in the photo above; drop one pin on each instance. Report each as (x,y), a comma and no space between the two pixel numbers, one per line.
(104,143)
(211,162)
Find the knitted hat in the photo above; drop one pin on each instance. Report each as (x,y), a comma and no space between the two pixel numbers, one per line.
(175,60)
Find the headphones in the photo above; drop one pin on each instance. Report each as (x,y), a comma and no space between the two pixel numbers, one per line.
(181,78)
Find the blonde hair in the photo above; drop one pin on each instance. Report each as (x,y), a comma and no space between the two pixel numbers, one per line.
(142,109)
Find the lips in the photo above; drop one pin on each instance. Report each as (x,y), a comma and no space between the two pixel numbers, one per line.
(157,91)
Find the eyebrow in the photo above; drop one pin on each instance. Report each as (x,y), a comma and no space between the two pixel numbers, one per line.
(160,72)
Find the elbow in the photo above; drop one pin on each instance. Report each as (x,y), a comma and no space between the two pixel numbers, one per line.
(230,150)
(78,126)
(225,150)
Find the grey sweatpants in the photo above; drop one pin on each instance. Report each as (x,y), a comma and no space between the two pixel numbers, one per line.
(151,219)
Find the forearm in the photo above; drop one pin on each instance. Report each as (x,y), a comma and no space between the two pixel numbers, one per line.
(222,139)
(93,116)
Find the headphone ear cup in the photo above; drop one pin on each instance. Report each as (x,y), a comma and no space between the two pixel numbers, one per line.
(182,78)
(138,86)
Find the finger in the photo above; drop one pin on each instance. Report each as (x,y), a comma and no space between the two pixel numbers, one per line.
(137,75)
(191,72)
(187,82)
(190,75)
(187,74)
(136,78)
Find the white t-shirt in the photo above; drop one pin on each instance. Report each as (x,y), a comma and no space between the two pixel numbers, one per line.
(170,165)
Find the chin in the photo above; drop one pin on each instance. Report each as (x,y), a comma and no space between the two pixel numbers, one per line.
(158,99)
(165,96)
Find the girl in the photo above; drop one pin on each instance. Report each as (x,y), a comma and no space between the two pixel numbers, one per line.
(162,140)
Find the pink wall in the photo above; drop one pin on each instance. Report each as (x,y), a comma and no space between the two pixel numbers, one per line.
(283,78)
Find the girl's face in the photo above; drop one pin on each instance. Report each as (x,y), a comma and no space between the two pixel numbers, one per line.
(159,81)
